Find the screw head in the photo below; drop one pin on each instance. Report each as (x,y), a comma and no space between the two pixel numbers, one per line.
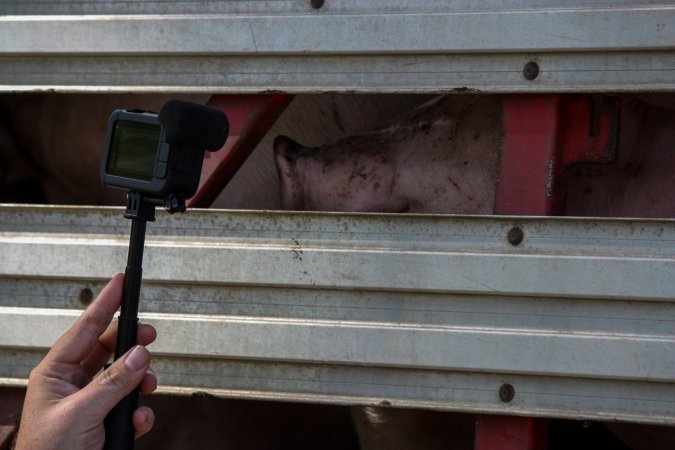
(86,296)
(506,392)
(516,236)
(531,70)
(316,4)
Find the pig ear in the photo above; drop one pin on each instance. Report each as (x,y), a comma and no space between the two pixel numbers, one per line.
(286,156)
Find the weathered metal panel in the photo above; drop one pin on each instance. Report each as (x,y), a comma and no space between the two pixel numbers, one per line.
(43,7)
(559,72)
(345,46)
(426,311)
(384,33)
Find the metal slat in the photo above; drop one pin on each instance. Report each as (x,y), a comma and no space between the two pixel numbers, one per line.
(425,311)
(68,7)
(343,268)
(405,47)
(514,350)
(499,31)
(559,72)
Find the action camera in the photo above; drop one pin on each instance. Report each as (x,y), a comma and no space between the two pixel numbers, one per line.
(137,157)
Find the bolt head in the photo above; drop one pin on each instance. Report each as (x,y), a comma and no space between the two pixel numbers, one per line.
(531,71)
(86,296)
(516,236)
(506,392)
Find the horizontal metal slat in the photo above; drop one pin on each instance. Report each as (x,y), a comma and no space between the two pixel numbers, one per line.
(265,265)
(382,345)
(412,47)
(482,32)
(269,7)
(559,72)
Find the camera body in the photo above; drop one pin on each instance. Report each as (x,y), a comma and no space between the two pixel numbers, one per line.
(138,157)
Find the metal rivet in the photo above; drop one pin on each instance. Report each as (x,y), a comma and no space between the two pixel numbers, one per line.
(516,236)
(86,296)
(506,392)
(316,4)
(531,71)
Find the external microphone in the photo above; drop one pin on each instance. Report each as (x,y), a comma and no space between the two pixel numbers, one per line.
(194,125)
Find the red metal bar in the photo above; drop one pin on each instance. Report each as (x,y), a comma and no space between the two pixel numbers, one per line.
(250,116)
(543,136)
(529,169)
(530,160)
(510,433)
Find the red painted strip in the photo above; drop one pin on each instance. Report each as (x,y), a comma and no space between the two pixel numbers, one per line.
(530,158)
(510,433)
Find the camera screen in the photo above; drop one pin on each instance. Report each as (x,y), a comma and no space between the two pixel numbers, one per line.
(134,150)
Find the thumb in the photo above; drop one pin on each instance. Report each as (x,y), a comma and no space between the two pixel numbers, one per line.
(114,383)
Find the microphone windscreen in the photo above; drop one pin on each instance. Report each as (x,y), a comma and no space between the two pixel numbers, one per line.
(193,125)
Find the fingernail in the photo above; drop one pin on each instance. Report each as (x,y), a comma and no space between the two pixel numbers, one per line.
(137,358)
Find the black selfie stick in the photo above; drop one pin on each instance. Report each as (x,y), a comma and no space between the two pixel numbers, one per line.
(119,429)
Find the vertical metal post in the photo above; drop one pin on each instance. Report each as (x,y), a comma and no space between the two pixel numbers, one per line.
(529,184)
(543,136)
(531,160)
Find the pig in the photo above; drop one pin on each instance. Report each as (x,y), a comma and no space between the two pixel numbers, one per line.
(315,119)
(443,158)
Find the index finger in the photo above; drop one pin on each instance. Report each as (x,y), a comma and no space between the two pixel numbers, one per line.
(79,340)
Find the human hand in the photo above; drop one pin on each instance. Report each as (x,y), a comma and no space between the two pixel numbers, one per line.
(66,401)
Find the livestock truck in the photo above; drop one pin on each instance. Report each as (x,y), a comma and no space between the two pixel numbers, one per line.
(524,326)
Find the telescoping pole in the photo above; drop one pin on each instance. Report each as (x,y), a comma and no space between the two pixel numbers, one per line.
(119,428)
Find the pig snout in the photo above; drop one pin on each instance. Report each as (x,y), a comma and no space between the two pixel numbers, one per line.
(286,153)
